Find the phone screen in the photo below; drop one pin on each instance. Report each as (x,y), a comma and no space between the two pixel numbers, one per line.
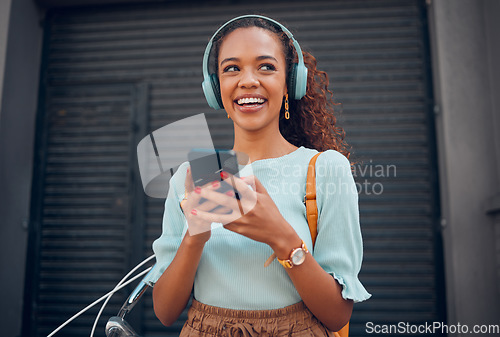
(206,165)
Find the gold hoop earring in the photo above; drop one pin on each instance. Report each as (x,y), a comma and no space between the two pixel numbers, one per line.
(287,111)
(227,115)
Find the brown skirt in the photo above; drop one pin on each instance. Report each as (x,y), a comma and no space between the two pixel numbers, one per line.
(295,320)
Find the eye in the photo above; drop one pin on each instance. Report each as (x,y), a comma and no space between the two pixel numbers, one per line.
(230,69)
(268,67)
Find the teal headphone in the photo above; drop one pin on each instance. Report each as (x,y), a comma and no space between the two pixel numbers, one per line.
(297,77)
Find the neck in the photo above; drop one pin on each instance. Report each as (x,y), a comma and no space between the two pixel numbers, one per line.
(261,144)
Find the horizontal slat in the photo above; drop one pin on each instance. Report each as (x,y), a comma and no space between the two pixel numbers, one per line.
(85,208)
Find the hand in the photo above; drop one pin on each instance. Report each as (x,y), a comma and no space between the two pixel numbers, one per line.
(198,229)
(253,213)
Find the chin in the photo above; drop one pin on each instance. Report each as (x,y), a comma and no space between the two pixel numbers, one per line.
(253,123)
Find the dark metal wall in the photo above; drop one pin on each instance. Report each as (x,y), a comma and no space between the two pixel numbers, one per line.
(111,74)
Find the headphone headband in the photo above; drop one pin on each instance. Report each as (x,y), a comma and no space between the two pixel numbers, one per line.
(299,73)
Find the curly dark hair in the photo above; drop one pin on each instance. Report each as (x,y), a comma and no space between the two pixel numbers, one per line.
(312,122)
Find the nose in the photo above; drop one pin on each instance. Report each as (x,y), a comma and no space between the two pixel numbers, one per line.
(248,80)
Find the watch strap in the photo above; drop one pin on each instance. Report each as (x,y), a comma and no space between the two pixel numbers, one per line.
(289,263)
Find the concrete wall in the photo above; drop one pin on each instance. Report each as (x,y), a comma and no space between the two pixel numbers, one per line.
(17,124)
(464,38)
(4,29)
(492,24)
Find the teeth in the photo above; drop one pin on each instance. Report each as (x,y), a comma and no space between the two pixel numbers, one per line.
(250,100)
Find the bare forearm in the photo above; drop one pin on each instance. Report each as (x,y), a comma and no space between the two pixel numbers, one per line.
(172,291)
(319,290)
(321,293)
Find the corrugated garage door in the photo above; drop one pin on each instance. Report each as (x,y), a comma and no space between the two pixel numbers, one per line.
(112,73)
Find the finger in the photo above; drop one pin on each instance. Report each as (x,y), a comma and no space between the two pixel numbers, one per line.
(207,203)
(188,187)
(188,182)
(192,193)
(222,210)
(226,199)
(195,200)
(246,201)
(247,195)
(201,197)
(215,217)
(249,180)
(240,186)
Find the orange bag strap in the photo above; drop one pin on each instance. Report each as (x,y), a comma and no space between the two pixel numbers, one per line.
(312,217)
(310,198)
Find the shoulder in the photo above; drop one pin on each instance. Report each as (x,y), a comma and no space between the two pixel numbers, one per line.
(335,179)
(330,159)
(305,154)
(333,157)
(327,157)
(332,163)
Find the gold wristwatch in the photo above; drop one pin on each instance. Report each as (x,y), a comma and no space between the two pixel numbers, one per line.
(296,258)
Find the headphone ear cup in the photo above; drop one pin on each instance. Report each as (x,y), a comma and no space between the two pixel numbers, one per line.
(292,80)
(300,81)
(297,81)
(216,87)
(212,92)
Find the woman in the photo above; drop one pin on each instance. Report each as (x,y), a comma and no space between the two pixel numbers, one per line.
(233,292)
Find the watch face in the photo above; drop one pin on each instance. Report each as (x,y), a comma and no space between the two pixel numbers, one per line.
(298,256)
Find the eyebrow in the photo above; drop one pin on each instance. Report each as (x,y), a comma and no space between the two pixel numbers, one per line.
(259,58)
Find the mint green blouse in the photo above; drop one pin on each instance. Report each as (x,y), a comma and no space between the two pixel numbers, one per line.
(231,271)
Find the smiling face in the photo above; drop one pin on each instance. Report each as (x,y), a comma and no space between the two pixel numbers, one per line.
(252,76)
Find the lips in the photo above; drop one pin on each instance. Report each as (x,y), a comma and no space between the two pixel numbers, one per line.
(250,99)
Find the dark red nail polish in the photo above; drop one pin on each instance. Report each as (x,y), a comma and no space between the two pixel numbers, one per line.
(197,190)
(193,211)
(223,175)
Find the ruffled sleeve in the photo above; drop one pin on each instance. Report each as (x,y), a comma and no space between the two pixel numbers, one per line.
(174,226)
(339,246)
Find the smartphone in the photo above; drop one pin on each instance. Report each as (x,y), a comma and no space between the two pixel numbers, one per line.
(207,165)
